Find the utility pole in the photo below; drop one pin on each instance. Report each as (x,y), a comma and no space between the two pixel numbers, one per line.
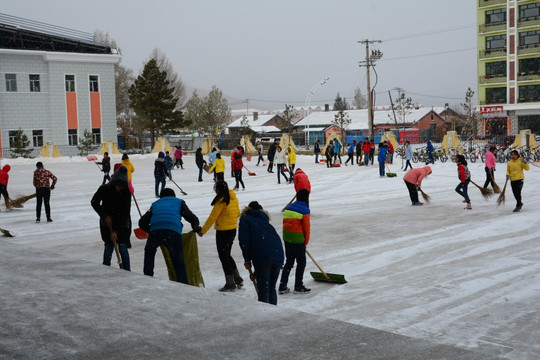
(369,62)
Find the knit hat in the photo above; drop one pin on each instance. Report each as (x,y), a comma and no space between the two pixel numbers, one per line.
(302,195)
(125,156)
(167,192)
(120,177)
(161,155)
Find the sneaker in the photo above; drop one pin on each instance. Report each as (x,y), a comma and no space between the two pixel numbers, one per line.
(518,208)
(38,220)
(302,290)
(49,220)
(285,290)
(417,203)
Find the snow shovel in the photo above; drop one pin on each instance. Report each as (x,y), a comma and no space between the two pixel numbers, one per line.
(118,257)
(139,233)
(249,172)
(252,278)
(323,276)
(91,157)
(389,173)
(182,191)
(6,232)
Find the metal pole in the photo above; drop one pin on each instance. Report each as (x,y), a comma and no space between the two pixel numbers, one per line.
(370,110)
(308,101)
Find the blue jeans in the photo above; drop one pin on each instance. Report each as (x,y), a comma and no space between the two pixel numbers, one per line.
(431,160)
(316,157)
(124,254)
(173,242)
(159,180)
(294,252)
(381,168)
(280,170)
(267,276)
(407,165)
(461,189)
(366,159)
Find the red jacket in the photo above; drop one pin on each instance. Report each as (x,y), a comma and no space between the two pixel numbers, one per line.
(416,175)
(4,176)
(301,181)
(41,178)
(366,148)
(237,163)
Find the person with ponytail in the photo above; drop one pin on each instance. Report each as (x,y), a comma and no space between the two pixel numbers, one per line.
(224,215)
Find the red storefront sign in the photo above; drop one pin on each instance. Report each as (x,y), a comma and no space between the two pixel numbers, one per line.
(491,109)
(411,136)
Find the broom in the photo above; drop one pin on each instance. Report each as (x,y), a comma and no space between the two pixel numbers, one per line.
(249,172)
(17,203)
(388,173)
(486,193)
(502,198)
(425,196)
(496,188)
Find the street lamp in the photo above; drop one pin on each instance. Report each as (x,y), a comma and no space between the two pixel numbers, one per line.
(308,101)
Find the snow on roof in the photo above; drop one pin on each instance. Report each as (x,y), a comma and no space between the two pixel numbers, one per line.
(261,120)
(265,129)
(359,118)
(314,129)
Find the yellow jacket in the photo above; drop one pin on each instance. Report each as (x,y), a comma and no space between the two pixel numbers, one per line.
(225,216)
(514,168)
(291,156)
(219,165)
(127,163)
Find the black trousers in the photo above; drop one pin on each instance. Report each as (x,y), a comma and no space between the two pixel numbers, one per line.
(43,195)
(413,191)
(489,176)
(238,178)
(517,185)
(294,252)
(224,242)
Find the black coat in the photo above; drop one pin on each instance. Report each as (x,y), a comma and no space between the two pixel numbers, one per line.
(106,162)
(117,205)
(160,169)
(272,152)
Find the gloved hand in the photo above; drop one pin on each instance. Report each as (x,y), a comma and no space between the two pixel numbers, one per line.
(507,177)
(523,160)
(418,188)
(52,187)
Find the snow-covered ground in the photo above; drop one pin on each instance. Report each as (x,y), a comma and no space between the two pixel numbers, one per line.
(437,272)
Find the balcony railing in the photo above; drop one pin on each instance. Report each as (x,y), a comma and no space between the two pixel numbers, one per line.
(529,100)
(530,21)
(529,49)
(485,3)
(488,28)
(528,77)
(489,54)
(492,102)
(489,79)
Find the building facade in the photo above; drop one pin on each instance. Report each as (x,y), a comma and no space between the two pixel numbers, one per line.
(54,88)
(509,66)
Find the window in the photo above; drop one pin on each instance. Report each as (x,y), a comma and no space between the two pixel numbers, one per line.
(495,43)
(96,135)
(34,83)
(94,85)
(11,82)
(70,83)
(496,95)
(529,93)
(496,69)
(496,17)
(37,137)
(529,11)
(12,137)
(529,66)
(72,137)
(529,39)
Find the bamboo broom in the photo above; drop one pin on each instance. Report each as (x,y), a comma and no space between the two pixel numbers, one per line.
(502,198)
(486,193)
(17,203)
(426,197)
(496,188)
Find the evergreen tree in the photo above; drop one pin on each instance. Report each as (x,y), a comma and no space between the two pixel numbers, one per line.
(20,144)
(340,103)
(360,101)
(471,124)
(86,143)
(152,98)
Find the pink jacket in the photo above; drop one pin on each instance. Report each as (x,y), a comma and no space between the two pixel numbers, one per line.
(415,176)
(490,160)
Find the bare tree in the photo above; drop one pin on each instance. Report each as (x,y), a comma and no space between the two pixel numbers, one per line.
(342,120)
(175,81)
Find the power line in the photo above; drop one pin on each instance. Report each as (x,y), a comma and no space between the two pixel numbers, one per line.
(430,54)
(455,28)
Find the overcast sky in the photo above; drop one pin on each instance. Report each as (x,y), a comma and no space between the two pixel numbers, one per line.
(275,51)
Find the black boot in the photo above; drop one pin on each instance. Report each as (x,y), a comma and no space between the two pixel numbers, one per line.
(238,279)
(229,284)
